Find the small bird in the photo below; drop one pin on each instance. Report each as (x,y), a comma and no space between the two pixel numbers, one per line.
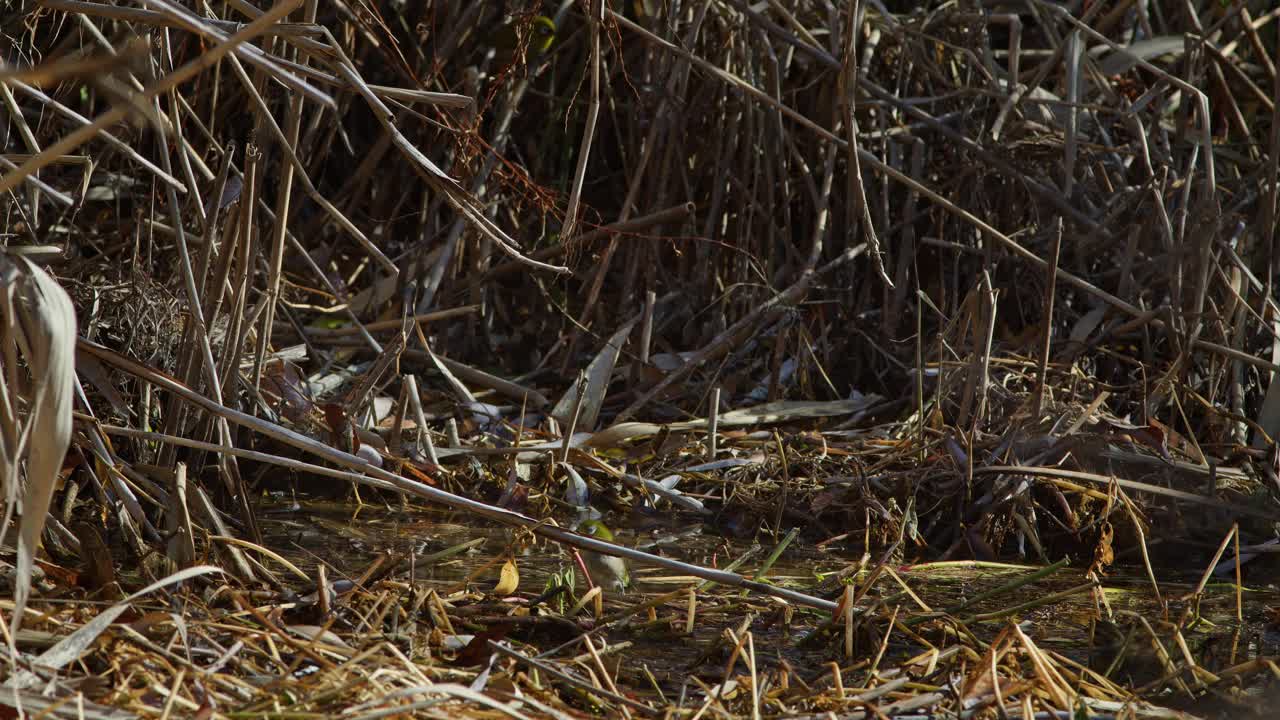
(535,35)
(606,571)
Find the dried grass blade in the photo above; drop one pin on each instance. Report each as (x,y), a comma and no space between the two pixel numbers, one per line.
(72,646)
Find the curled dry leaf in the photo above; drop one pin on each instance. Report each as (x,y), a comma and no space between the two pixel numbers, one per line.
(39,325)
(509,579)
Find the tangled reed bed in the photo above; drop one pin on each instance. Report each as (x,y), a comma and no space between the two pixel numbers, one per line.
(983,282)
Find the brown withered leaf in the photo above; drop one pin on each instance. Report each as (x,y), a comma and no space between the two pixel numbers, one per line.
(285,389)
(1103,553)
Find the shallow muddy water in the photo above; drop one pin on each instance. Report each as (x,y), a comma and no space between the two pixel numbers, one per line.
(348,539)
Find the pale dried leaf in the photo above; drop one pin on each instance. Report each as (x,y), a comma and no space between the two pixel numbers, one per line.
(598,374)
(48,325)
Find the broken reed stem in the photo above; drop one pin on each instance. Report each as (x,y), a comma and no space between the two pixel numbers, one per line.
(776,553)
(1213,562)
(713,422)
(1030,605)
(1009,587)
(581,387)
(1142,547)
(1235,534)
(989,295)
(1046,337)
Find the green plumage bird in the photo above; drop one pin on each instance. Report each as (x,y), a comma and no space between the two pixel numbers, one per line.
(607,571)
(535,36)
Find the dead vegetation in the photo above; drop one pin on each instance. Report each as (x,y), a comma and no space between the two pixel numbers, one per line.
(798,295)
